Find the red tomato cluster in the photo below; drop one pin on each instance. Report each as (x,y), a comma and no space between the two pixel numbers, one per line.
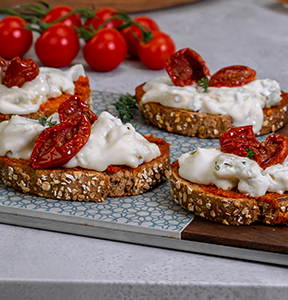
(111,37)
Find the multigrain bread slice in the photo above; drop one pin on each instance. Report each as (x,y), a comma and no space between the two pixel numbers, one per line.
(86,185)
(82,90)
(230,207)
(202,125)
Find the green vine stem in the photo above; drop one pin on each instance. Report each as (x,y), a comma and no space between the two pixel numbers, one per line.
(85,33)
(88,33)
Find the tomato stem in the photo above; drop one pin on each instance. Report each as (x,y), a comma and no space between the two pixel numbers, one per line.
(88,33)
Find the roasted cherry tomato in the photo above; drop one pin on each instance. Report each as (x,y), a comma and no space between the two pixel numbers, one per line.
(57,46)
(17,72)
(242,142)
(15,40)
(102,15)
(232,76)
(73,107)
(59,11)
(186,67)
(106,50)
(3,62)
(238,140)
(153,54)
(131,40)
(57,144)
(272,151)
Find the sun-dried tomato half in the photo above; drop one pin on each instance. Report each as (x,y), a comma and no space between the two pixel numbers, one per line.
(272,151)
(57,144)
(241,141)
(186,67)
(3,62)
(73,107)
(17,72)
(232,76)
(238,140)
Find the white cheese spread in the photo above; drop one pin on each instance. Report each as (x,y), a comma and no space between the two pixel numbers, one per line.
(113,143)
(110,143)
(50,83)
(227,171)
(17,137)
(243,104)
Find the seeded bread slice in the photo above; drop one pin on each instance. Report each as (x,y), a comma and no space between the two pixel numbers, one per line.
(202,125)
(86,185)
(82,90)
(237,209)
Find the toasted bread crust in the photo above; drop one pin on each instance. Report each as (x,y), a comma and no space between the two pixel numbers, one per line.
(82,184)
(202,125)
(227,210)
(82,90)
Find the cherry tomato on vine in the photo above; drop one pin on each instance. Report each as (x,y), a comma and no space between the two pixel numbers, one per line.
(131,41)
(59,11)
(15,40)
(154,53)
(57,46)
(102,15)
(106,50)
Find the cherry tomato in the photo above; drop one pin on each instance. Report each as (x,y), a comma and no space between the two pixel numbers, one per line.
(17,72)
(57,46)
(241,141)
(102,15)
(146,21)
(186,67)
(59,11)
(73,107)
(106,50)
(131,41)
(232,76)
(15,40)
(154,53)
(57,144)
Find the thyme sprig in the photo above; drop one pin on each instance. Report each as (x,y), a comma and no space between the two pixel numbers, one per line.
(250,153)
(44,121)
(204,83)
(126,106)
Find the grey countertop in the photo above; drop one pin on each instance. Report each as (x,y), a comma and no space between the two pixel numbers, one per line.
(38,264)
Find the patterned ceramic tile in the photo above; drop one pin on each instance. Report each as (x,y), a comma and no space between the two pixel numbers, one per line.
(153,212)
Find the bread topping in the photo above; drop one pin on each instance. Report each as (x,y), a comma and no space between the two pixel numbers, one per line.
(50,83)
(249,99)
(110,143)
(227,171)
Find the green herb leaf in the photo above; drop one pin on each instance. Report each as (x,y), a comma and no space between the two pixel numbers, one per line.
(45,121)
(193,152)
(226,164)
(126,106)
(250,153)
(217,168)
(204,83)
